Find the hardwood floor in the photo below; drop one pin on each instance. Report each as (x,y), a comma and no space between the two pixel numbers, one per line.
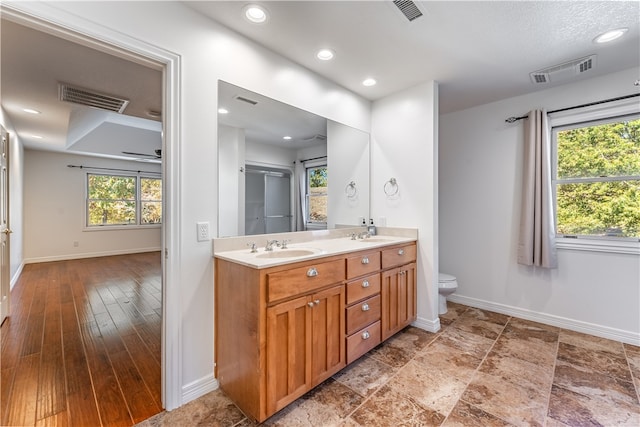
(82,344)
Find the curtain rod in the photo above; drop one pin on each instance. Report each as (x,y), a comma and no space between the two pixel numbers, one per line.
(314,158)
(109,169)
(515,119)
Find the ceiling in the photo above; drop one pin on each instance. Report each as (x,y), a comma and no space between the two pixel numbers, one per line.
(478,51)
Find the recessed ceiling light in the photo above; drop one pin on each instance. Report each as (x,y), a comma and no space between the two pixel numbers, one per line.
(30,111)
(325,54)
(369,82)
(610,35)
(154,113)
(256,14)
(223,111)
(286,137)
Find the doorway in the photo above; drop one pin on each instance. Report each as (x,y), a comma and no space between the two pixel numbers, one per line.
(105,40)
(5,231)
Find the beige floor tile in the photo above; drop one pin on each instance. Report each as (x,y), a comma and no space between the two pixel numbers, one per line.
(365,376)
(481,327)
(590,342)
(402,347)
(539,352)
(466,415)
(633,357)
(470,343)
(432,388)
(538,376)
(602,361)
(453,312)
(449,360)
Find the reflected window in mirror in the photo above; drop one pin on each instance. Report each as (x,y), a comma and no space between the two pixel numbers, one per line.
(317,196)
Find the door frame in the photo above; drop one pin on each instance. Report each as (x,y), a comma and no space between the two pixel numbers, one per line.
(45,17)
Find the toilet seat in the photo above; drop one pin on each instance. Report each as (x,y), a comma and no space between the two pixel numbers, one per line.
(444,277)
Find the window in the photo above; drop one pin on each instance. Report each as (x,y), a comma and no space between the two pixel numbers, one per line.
(317,194)
(597,178)
(114,200)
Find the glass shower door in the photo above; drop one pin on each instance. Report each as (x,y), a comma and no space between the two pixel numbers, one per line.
(277,207)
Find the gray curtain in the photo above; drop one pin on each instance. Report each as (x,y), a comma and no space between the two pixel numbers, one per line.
(300,196)
(537,226)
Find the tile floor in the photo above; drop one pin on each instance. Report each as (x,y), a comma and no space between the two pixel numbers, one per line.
(480,369)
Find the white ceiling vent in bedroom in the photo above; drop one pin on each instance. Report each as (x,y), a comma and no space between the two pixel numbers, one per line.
(408,8)
(91,98)
(564,71)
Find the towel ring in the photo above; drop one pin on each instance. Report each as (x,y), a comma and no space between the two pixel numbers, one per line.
(391,187)
(351,190)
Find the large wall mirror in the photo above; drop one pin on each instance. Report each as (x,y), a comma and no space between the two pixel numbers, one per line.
(284,169)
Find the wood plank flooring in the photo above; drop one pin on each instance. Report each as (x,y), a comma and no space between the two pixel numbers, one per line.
(82,344)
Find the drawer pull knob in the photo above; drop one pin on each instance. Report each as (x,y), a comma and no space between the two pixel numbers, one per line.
(365,260)
(365,307)
(316,302)
(365,284)
(312,272)
(366,335)
(400,251)
(310,304)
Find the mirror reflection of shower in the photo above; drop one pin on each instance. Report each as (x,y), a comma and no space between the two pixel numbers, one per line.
(268,203)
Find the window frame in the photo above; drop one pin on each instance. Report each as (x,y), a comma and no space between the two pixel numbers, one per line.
(308,168)
(138,203)
(571,119)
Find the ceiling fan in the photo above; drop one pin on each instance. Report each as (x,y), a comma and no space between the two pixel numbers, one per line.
(157,154)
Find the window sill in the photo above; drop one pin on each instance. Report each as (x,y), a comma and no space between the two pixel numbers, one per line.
(121,227)
(622,246)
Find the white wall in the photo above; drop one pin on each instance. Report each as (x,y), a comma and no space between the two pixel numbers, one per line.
(208,52)
(54,210)
(231,154)
(480,191)
(16,203)
(347,160)
(405,146)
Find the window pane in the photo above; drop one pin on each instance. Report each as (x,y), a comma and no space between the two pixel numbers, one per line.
(109,212)
(318,180)
(611,149)
(151,213)
(318,208)
(599,208)
(150,189)
(112,187)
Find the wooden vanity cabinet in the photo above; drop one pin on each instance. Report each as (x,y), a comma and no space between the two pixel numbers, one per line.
(280,331)
(398,289)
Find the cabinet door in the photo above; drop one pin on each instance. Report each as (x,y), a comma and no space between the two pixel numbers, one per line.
(289,342)
(328,336)
(398,299)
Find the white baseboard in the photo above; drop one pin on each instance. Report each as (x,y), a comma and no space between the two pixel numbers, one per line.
(16,275)
(550,319)
(67,257)
(199,388)
(427,325)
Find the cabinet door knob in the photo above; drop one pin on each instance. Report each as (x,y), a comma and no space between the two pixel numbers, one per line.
(365,260)
(365,307)
(366,335)
(400,251)
(312,272)
(365,283)
(310,304)
(316,302)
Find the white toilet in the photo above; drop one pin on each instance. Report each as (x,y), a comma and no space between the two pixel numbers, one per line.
(447,284)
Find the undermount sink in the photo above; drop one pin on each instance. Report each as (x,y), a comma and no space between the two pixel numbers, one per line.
(286,253)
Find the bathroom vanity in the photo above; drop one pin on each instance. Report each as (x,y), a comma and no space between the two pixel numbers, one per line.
(288,319)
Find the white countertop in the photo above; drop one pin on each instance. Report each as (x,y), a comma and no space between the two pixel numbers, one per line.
(316,248)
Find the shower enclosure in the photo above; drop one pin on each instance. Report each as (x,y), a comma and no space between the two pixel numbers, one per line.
(268,207)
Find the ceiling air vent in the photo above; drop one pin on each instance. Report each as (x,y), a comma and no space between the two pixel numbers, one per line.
(564,71)
(247,100)
(90,98)
(408,8)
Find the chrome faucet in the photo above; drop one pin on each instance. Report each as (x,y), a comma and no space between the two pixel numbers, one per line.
(270,244)
(364,235)
(254,249)
(284,243)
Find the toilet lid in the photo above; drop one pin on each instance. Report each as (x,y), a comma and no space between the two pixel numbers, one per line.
(443,277)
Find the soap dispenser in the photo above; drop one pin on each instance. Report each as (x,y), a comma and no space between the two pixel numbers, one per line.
(372,228)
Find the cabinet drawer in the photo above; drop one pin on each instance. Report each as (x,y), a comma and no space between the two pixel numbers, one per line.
(398,256)
(363,341)
(363,313)
(298,281)
(363,288)
(363,263)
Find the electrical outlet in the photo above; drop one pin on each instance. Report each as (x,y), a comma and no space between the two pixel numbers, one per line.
(203,231)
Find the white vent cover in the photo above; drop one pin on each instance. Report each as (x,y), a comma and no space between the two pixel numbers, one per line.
(91,98)
(564,71)
(408,8)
